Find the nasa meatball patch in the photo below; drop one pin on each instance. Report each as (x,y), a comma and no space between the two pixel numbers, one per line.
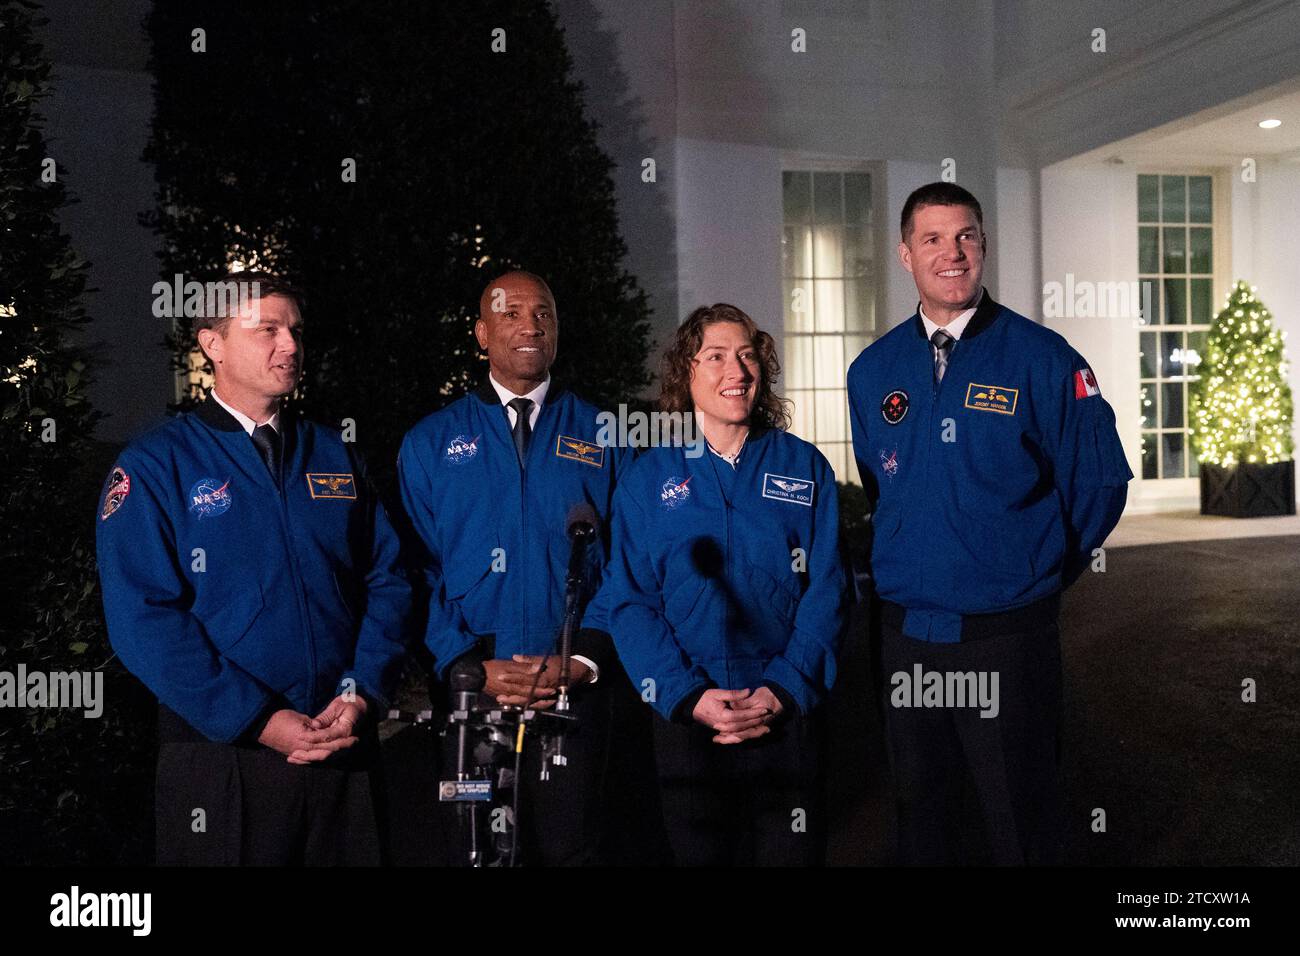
(893,407)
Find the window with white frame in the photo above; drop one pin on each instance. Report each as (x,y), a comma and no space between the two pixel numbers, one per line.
(1176,262)
(829,269)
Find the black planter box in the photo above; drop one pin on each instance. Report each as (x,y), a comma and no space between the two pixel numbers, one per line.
(1248,490)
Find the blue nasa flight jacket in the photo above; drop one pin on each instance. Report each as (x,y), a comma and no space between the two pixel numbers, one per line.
(991,488)
(728,578)
(493,548)
(229,597)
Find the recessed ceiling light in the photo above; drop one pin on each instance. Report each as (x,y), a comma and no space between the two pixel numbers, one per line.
(1270,123)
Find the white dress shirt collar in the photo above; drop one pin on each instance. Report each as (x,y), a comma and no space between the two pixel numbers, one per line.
(954,328)
(247,423)
(537,395)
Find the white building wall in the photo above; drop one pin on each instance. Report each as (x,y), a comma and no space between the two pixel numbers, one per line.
(1089,231)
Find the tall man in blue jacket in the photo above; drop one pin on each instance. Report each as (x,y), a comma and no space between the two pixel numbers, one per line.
(251,580)
(994,470)
(488,484)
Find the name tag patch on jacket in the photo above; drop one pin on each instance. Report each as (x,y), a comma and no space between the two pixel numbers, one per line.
(323,485)
(462,448)
(798,491)
(1085,384)
(209,498)
(575,449)
(675,491)
(119,486)
(992,398)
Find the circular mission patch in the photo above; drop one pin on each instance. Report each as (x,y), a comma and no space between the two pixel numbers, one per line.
(893,407)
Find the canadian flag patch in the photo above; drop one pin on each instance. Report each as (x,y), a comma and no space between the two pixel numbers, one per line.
(1085,383)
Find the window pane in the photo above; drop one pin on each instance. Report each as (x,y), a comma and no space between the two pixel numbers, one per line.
(1175,301)
(1171,354)
(857,251)
(828,251)
(859,306)
(799,369)
(1199,199)
(853,346)
(1172,466)
(836,453)
(829,350)
(857,198)
(796,251)
(1149,442)
(798,305)
(1171,405)
(797,191)
(1201,314)
(1148,199)
(801,414)
(827,207)
(828,302)
(1148,249)
(1150,288)
(1146,406)
(1175,250)
(1196,350)
(832,414)
(1193,466)
(1173,201)
(1149,355)
(1200,255)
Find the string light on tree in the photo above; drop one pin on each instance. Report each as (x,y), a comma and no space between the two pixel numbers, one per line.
(1241,405)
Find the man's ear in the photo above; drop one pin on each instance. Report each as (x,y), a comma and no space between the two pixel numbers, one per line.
(480,333)
(905,256)
(211,342)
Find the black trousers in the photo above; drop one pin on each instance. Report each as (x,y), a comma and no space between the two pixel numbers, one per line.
(757,803)
(233,805)
(973,789)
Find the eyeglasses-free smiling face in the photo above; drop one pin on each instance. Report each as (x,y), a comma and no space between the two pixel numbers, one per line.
(725,375)
(519,329)
(945,254)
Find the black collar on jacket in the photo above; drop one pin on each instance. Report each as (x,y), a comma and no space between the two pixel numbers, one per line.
(985,313)
(488,395)
(210,412)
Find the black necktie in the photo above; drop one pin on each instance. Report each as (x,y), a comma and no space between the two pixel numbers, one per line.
(522,430)
(267,440)
(942,343)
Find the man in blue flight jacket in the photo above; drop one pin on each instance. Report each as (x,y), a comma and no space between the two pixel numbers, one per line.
(252,581)
(993,470)
(488,484)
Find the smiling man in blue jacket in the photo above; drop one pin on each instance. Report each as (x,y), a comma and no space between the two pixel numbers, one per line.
(993,470)
(251,580)
(488,484)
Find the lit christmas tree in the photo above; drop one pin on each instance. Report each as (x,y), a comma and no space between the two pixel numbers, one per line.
(1242,404)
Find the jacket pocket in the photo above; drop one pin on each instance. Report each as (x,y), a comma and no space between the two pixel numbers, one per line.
(229,616)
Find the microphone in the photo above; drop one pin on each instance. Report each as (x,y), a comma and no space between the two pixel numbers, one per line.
(580,527)
(467,677)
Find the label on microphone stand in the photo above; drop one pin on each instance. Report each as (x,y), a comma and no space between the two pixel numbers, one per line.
(460,791)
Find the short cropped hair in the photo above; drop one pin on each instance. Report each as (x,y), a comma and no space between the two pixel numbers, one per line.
(267,285)
(937,194)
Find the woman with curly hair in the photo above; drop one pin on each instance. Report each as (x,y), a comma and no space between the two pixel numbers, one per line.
(728,602)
